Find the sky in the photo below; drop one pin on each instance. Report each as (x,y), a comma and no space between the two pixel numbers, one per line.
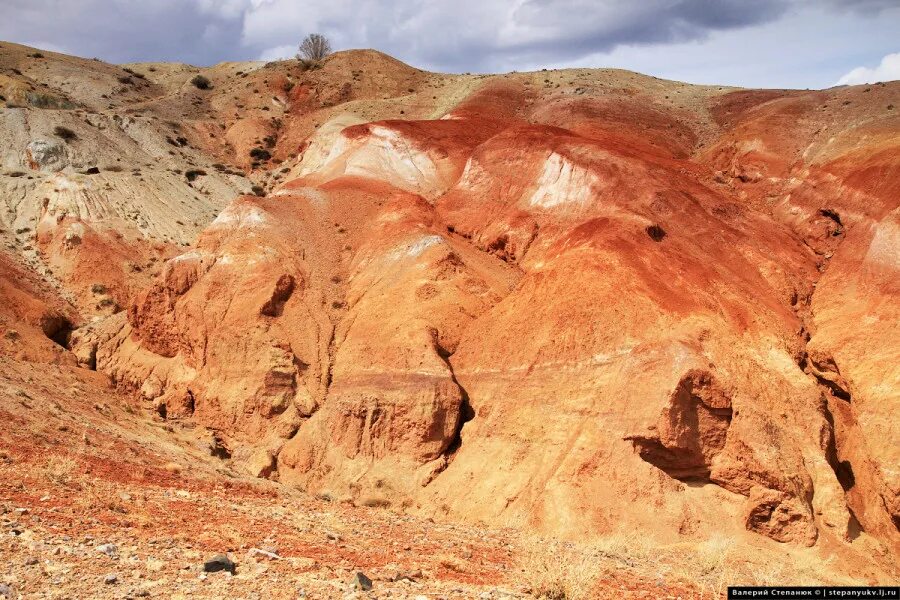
(751,43)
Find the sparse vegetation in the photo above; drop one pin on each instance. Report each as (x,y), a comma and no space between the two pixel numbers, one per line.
(135,73)
(555,572)
(656,233)
(258,190)
(200,82)
(313,50)
(260,154)
(64,133)
(565,571)
(39,100)
(193,174)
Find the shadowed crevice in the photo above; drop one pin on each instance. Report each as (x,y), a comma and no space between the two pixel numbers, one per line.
(466,413)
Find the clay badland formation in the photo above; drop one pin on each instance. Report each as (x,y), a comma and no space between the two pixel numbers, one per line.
(256,304)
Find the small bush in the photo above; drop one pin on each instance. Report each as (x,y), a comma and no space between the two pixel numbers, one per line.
(260,154)
(557,573)
(126,80)
(66,134)
(258,190)
(180,141)
(39,100)
(200,82)
(656,233)
(310,65)
(194,174)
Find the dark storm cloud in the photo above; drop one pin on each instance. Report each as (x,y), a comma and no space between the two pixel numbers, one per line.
(491,34)
(126,30)
(864,6)
(566,30)
(464,35)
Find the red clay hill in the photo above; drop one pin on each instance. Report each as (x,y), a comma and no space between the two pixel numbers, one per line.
(577,303)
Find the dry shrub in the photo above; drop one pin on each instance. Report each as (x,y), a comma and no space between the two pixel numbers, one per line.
(65,133)
(200,82)
(555,571)
(626,548)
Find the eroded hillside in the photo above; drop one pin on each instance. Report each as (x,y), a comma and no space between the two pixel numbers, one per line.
(579,302)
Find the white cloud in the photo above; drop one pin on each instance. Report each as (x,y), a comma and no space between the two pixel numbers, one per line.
(226,9)
(278,53)
(887,70)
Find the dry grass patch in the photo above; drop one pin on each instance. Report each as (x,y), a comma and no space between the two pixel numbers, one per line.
(565,571)
(558,571)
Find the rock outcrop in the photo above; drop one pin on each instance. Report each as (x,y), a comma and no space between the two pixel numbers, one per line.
(579,301)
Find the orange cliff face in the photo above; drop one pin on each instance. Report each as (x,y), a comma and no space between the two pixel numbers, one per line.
(577,301)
